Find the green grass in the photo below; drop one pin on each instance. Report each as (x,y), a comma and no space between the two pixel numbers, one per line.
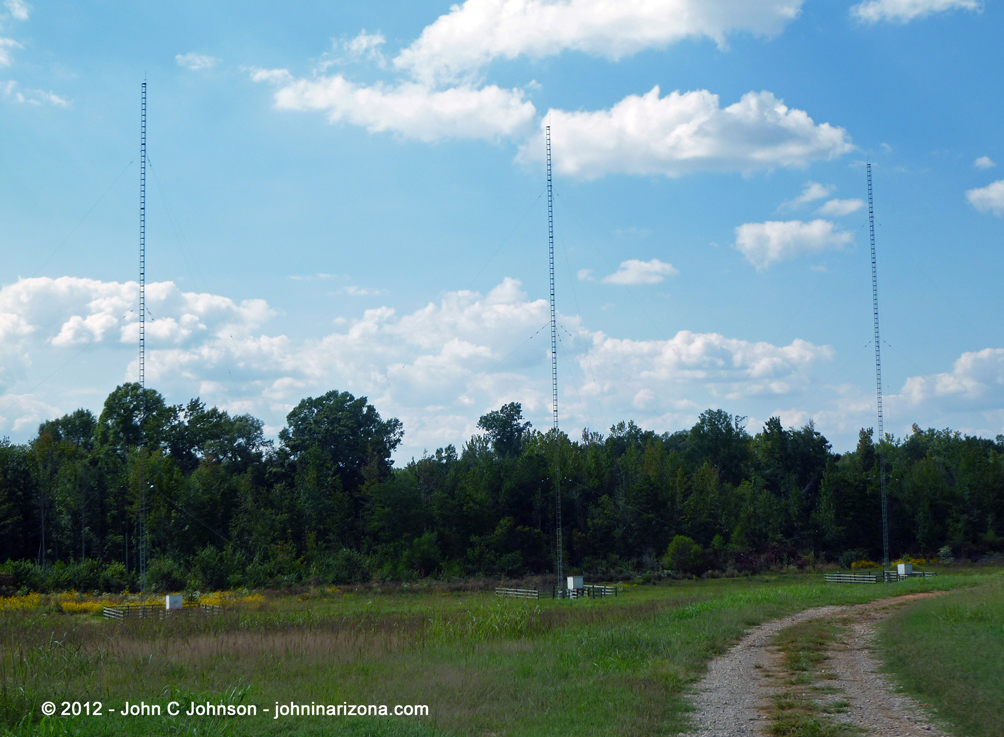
(483,666)
(949,653)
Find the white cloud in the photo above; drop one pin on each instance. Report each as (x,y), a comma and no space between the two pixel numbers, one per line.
(196,62)
(48,98)
(5,45)
(367,46)
(437,368)
(984,162)
(811,192)
(71,311)
(903,11)
(975,377)
(12,91)
(634,271)
(683,133)
(272,76)
(585,275)
(765,243)
(989,198)
(472,34)
(18,9)
(355,291)
(727,368)
(839,208)
(410,110)
(24,412)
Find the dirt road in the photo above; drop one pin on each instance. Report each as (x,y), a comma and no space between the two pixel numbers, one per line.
(734,697)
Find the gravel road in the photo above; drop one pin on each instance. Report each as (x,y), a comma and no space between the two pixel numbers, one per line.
(732,698)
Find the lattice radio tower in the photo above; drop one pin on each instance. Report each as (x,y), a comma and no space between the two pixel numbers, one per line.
(554,354)
(878,377)
(141,527)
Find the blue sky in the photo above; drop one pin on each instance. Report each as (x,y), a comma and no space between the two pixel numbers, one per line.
(352,197)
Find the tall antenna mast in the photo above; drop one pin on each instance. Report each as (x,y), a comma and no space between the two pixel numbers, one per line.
(554,353)
(878,376)
(141,527)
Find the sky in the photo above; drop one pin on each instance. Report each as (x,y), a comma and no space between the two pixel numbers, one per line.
(352,197)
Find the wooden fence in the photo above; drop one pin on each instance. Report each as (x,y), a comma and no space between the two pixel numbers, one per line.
(517,593)
(884,576)
(589,591)
(852,578)
(141,611)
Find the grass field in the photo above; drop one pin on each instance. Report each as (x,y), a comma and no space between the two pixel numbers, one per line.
(483,666)
(958,642)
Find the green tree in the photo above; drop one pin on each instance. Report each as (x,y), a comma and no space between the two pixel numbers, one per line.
(134,417)
(506,429)
(722,440)
(347,431)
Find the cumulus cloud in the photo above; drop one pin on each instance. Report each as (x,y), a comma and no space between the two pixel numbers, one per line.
(683,133)
(203,343)
(410,110)
(71,311)
(471,35)
(196,62)
(984,162)
(728,368)
(765,243)
(18,9)
(634,271)
(24,412)
(437,368)
(903,11)
(839,208)
(989,198)
(975,377)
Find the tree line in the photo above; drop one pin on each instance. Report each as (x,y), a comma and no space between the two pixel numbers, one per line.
(227,507)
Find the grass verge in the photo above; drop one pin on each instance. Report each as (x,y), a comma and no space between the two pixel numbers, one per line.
(959,641)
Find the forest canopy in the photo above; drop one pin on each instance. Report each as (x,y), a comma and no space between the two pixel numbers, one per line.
(227,507)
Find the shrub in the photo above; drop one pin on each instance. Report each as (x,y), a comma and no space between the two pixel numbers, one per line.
(164,575)
(84,575)
(683,555)
(345,567)
(214,569)
(849,556)
(114,578)
(23,575)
